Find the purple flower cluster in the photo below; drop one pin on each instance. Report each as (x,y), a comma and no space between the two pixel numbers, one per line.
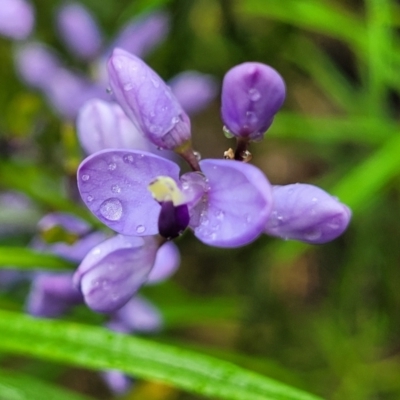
(67,91)
(225,202)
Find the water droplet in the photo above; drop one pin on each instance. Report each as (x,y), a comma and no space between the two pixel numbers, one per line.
(155,82)
(95,282)
(128,158)
(228,134)
(314,199)
(220,215)
(115,189)
(109,90)
(89,198)
(251,117)
(112,166)
(85,178)
(313,235)
(140,229)
(114,296)
(128,86)
(175,120)
(96,251)
(105,283)
(254,94)
(197,155)
(111,209)
(213,236)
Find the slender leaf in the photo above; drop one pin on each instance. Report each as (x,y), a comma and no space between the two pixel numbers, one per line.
(16,386)
(21,257)
(99,348)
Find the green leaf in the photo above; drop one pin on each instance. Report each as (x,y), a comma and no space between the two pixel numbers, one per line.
(101,349)
(21,257)
(16,386)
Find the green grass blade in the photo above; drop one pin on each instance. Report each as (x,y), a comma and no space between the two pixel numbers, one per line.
(99,348)
(21,257)
(16,386)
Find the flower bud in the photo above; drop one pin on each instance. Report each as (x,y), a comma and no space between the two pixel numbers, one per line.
(79,30)
(16,19)
(306,213)
(103,125)
(252,93)
(148,101)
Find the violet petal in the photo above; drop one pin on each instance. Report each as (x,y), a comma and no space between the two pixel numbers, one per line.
(306,213)
(113,271)
(238,203)
(114,186)
(79,30)
(167,262)
(104,125)
(16,19)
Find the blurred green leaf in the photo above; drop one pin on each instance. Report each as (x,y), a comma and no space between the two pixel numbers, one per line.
(16,386)
(21,257)
(99,348)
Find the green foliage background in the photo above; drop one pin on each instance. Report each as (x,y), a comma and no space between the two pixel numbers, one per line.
(323,319)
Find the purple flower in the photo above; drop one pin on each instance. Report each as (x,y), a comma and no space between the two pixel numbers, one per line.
(16,19)
(148,101)
(228,206)
(36,64)
(252,93)
(306,213)
(79,30)
(193,90)
(102,125)
(52,295)
(142,34)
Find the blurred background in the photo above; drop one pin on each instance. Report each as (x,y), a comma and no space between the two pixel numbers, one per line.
(322,318)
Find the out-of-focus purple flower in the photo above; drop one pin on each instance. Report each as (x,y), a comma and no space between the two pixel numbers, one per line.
(143,34)
(167,262)
(68,92)
(67,236)
(103,125)
(252,93)
(306,213)
(148,101)
(117,382)
(79,30)
(113,271)
(36,64)
(193,90)
(16,19)
(52,295)
(228,205)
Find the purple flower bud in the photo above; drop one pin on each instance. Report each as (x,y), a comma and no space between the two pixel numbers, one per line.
(36,64)
(252,93)
(103,125)
(306,213)
(194,90)
(113,271)
(79,30)
(16,19)
(52,295)
(148,101)
(142,35)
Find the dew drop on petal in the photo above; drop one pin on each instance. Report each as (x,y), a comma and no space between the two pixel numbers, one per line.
(140,229)
(128,158)
(115,188)
(254,94)
(128,86)
(313,235)
(96,251)
(85,177)
(228,134)
(220,215)
(197,155)
(111,209)
(314,199)
(251,117)
(175,120)
(89,198)
(112,166)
